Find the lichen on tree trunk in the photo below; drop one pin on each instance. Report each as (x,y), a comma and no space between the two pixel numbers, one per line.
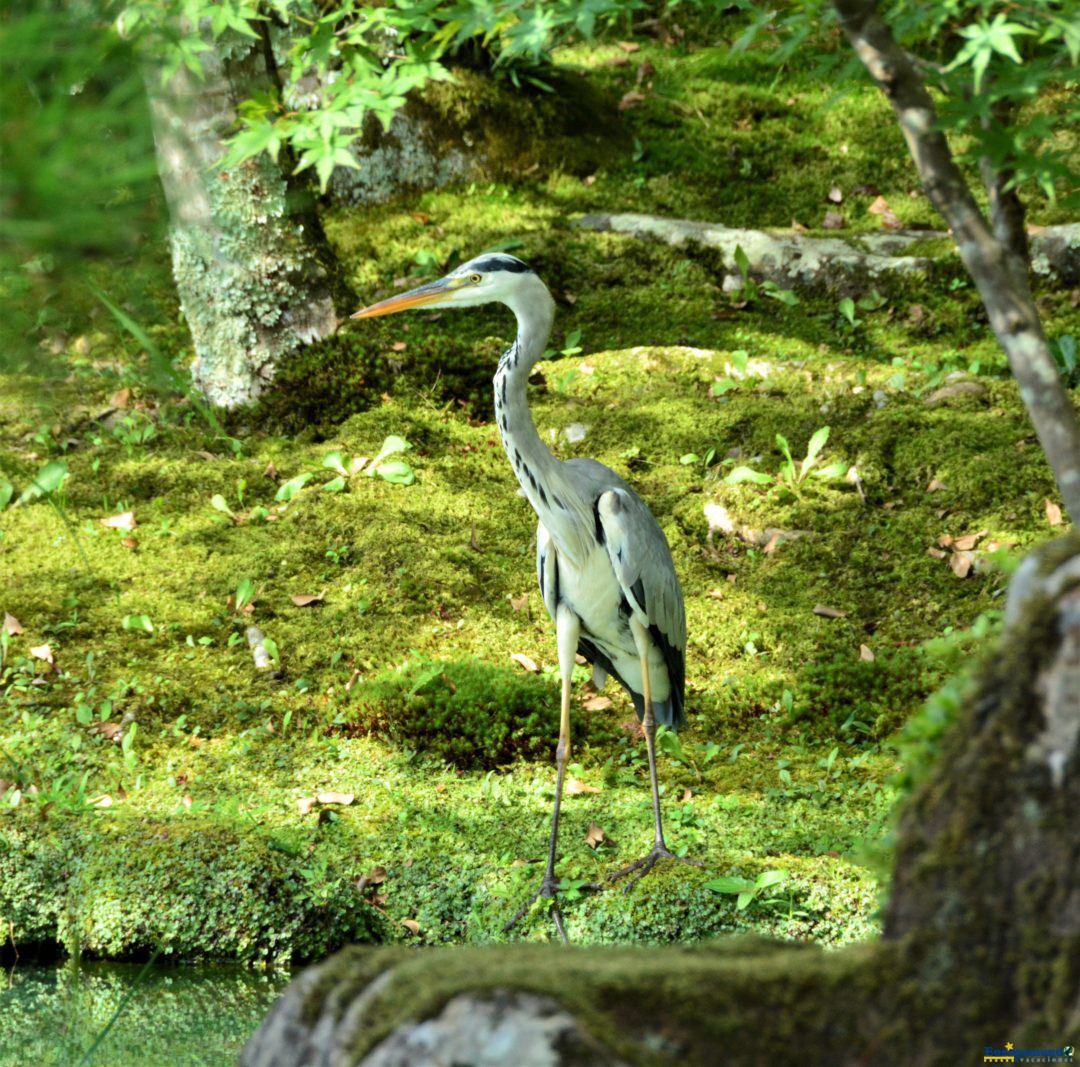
(981,944)
(247,262)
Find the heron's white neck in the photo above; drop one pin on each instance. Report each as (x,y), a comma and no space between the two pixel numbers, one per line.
(553,498)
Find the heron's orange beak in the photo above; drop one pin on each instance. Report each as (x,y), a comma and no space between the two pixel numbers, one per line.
(432,293)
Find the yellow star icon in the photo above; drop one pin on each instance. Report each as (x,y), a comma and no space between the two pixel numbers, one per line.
(1008,1046)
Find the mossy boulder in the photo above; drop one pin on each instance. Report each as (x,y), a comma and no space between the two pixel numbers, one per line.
(478,127)
(469,714)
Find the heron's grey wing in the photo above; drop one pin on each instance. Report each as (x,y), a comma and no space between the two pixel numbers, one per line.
(643,566)
(547,569)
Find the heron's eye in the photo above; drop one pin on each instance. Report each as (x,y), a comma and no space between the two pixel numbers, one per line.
(476,279)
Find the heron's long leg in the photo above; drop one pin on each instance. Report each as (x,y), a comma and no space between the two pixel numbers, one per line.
(648,722)
(568,630)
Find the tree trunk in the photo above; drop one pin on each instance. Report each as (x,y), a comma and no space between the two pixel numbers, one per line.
(981,943)
(248,261)
(992,257)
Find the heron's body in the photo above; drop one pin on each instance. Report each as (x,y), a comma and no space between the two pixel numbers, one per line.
(599,553)
(603,563)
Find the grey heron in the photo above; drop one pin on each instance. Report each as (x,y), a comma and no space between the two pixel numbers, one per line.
(604,566)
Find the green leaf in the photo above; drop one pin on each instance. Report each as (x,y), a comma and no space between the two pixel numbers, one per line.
(782,444)
(744,899)
(770,878)
(138,622)
(335,485)
(272,650)
(390,447)
(83,713)
(817,443)
(219,503)
(748,474)
(689,458)
(729,885)
(742,263)
(832,471)
(47,480)
(7,490)
(722,386)
(335,462)
(847,309)
(396,471)
(293,486)
(245,593)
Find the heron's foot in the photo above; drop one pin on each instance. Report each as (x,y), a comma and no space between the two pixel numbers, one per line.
(639,868)
(548,890)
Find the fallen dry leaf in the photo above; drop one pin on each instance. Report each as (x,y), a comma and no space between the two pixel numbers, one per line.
(129,542)
(797,226)
(936,484)
(879,206)
(270,472)
(833,221)
(120,398)
(306,599)
(686,795)
(411,925)
(865,190)
(376,876)
(597,703)
(916,314)
(1053,513)
(836,195)
(629,47)
(579,659)
(399,346)
(828,613)
(422,217)
(103,801)
(960,563)
(866,654)
(306,805)
(594,836)
(891,221)
(716,594)
(525,661)
(11,624)
(631,99)
(124,521)
(336,798)
(645,70)
(186,800)
(968,541)
(111,731)
(574,788)
(43,652)
(520,603)
(937,553)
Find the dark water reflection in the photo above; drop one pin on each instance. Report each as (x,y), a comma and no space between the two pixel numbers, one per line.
(176,1016)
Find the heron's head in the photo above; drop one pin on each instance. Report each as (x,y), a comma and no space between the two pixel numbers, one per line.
(491,277)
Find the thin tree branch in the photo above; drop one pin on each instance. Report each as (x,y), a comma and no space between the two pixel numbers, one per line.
(1007,297)
(1006,207)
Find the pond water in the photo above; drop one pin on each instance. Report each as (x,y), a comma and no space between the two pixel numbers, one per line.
(50,1016)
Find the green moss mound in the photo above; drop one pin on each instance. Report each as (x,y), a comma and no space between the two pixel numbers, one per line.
(471,715)
(878,694)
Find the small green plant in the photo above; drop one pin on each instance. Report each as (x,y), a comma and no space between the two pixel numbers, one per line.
(747,891)
(688,754)
(134,431)
(750,290)
(793,474)
(1063,349)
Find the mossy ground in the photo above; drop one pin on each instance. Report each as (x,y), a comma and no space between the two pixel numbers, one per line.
(203,849)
